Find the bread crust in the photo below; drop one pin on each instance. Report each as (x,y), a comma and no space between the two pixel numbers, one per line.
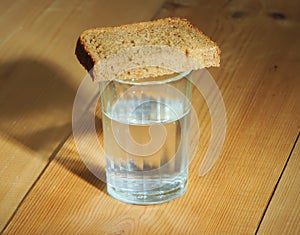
(85,59)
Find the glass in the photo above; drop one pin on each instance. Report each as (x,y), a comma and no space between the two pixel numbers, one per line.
(146,126)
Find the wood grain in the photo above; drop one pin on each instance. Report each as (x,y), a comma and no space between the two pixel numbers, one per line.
(39,76)
(283,214)
(26,165)
(259,83)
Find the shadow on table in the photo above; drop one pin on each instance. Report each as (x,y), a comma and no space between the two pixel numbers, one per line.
(86,160)
(79,168)
(36,104)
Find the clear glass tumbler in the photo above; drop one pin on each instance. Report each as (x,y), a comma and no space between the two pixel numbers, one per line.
(146,126)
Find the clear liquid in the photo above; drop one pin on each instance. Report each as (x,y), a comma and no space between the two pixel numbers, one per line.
(143,167)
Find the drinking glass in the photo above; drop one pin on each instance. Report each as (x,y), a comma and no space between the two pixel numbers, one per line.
(146,126)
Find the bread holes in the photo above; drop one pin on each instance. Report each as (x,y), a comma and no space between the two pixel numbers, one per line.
(187,52)
(132,42)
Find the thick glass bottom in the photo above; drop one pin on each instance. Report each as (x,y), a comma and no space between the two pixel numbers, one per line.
(167,192)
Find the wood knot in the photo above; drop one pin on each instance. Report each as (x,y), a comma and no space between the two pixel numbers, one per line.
(277,16)
(237,14)
(172,5)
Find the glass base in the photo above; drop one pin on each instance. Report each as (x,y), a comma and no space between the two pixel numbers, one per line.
(165,193)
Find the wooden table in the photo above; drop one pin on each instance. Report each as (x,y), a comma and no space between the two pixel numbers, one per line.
(255,185)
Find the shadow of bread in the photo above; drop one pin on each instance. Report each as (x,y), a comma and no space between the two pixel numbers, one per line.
(36,104)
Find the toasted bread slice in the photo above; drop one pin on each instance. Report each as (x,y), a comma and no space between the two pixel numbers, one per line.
(146,49)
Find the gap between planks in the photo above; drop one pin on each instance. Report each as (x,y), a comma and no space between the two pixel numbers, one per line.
(277,183)
(52,156)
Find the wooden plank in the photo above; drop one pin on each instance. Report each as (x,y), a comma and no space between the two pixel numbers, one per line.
(39,76)
(258,80)
(283,214)
(26,165)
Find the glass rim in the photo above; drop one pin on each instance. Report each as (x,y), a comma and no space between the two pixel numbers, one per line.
(139,82)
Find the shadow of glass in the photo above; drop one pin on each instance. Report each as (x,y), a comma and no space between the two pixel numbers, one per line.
(77,167)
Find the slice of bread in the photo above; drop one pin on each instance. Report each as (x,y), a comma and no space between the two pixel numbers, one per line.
(146,49)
